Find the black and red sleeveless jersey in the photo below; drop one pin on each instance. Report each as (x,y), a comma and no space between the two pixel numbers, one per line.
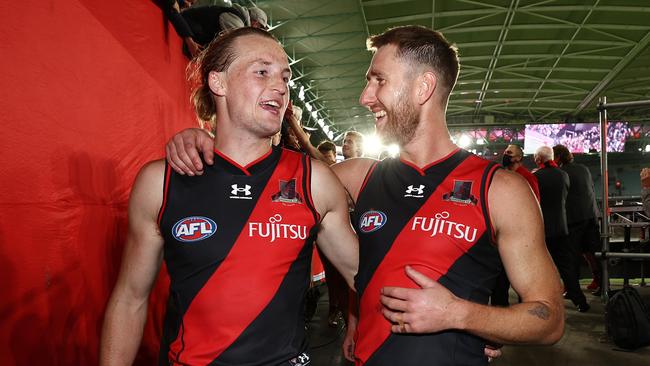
(238,246)
(434,219)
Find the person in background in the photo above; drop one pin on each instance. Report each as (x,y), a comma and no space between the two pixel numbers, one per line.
(582,214)
(553,190)
(352,145)
(645,189)
(513,161)
(328,149)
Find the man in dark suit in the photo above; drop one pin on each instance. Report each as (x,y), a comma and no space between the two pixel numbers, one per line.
(553,189)
(582,213)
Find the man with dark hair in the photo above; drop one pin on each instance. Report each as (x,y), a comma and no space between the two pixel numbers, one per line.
(328,149)
(236,240)
(429,249)
(352,145)
(582,214)
(553,189)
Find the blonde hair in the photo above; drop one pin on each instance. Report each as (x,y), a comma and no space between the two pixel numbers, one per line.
(218,56)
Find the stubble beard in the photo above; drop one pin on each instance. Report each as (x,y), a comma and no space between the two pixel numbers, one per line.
(401,121)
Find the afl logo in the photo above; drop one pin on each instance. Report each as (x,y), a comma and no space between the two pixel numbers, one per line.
(372,221)
(194,228)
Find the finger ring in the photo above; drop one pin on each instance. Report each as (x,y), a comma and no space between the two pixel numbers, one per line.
(402,327)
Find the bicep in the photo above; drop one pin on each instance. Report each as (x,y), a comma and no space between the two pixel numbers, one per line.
(335,238)
(514,211)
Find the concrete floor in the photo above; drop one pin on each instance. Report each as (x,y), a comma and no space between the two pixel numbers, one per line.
(584,341)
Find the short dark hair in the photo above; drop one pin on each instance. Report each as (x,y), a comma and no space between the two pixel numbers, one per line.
(562,154)
(423,46)
(218,56)
(326,146)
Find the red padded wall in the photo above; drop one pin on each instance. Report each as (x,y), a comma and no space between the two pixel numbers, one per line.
(90,91)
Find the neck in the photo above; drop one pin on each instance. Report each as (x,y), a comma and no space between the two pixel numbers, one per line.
(430,142)
(241,148)
(513,166)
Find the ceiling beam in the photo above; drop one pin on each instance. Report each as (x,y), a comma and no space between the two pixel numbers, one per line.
(564,50)
(643,43)
(512,9)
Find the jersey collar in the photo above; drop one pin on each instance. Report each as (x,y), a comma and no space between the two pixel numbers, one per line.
(257,165)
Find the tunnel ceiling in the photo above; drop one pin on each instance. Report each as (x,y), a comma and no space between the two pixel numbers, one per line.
(521,60)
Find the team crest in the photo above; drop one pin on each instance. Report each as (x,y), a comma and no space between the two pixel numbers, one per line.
(288,192)
(372,221)
(194,228)
(462,193)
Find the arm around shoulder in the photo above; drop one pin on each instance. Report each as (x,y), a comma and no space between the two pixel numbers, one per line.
(127,307)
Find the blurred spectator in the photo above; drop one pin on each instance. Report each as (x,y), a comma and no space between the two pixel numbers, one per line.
(352,145)
(328,149)
(512,160)
(200,23)
(645,189)
(553,189)
(582,213)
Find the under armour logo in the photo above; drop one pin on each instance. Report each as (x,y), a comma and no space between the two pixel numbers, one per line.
(237,190)
(301,360)
(412,191)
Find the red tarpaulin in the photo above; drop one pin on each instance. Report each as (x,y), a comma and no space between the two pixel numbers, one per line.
(91,90)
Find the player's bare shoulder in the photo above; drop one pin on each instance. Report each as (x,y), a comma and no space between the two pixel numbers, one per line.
(352,173)
(508,184)
(147,191)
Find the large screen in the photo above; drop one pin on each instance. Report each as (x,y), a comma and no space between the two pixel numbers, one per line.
(577,137)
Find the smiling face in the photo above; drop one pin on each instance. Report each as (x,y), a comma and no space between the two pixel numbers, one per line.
(388,95)
(255,87)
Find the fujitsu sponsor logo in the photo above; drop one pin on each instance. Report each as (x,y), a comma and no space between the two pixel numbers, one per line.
(442,224)
(275,229)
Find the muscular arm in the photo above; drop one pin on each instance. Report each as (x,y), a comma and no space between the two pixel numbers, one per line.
(335,238)
(540,316)
(126,311)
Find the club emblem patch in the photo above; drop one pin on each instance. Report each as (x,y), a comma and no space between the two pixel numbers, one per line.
(287,193)
(462,193)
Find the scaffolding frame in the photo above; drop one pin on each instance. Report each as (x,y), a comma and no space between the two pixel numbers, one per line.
(602,107)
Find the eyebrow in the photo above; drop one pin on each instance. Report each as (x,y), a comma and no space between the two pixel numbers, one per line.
(268,63)
(374,73)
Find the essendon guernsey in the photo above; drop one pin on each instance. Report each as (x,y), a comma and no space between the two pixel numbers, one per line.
(436,220)
(238,252)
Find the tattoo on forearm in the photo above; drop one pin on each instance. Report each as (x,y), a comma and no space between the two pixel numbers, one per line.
(540,311)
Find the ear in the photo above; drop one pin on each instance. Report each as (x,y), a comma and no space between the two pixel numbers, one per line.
(426,85)
(217,83)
